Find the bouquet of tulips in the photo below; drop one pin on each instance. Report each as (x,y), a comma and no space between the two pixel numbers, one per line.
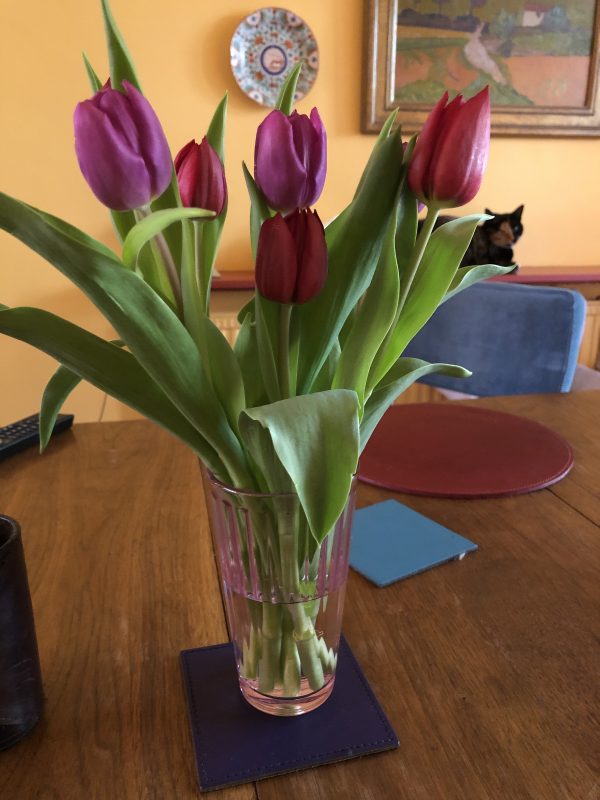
(318,358)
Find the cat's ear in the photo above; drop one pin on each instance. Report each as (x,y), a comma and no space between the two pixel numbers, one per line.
(491,213)
(516,214)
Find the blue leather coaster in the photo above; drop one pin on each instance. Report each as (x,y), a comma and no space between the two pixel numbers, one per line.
(391,541)
(235,743)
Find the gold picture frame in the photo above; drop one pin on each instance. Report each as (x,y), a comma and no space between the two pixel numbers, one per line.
(541,60)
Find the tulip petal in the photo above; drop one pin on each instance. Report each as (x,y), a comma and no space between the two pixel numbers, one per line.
(278,171)
(181,155)
(211,188)
(117,175)
(116,107)
(462,154)
(318,158)
(276,266)
(418,169)
(186,166)
(312,258)
(153,142)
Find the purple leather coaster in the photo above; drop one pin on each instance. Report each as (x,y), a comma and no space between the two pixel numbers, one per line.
(235,743)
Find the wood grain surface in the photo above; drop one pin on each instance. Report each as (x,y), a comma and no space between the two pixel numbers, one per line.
(486,667)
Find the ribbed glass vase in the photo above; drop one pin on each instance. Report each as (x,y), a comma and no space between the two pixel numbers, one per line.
(284,595)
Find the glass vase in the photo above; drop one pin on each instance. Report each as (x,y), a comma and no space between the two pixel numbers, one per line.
(283,593)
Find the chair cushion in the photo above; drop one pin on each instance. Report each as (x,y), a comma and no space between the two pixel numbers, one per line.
(515,339)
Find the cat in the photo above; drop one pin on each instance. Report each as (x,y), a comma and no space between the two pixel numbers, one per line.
(493,241)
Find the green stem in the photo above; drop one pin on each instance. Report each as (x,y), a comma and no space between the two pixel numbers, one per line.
(283,362)
(163,254)
(199,260)
(270,659)
(163,249)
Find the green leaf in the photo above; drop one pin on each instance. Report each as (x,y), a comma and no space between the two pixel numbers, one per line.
(373,319)
(106,366)
(402,375)
(93,78)
(324,379)
(406,228)
(259,209)
(208,233)
(315,438)
(246,351)
(59,387)
(440,262)
(151,330)
(224,371)
(285,101)
(266,348)
(150,226)
(467,276)
(121,64)
(274,478)
(216,129)
(354,246)
(384,133)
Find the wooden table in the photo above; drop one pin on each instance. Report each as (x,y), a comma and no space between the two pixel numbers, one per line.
(486,667)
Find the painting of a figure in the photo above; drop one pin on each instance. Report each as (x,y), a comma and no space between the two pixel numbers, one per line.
(531,53)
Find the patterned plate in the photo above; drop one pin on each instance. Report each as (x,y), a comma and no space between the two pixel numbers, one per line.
(265,47)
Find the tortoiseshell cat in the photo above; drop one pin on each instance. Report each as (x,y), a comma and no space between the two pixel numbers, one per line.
(493,241)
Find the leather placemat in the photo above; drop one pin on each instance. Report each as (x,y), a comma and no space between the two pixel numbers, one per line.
(450,450)
(236,743)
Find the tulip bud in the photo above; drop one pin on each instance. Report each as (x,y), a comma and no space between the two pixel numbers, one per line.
(121,148)
(290,159)
(201,177)
(291,259)
(451,152)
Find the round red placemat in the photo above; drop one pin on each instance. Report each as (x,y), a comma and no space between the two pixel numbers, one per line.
(449,450)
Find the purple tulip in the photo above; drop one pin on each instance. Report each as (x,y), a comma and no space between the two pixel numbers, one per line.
(201,177)
(291,259)
(290,159)
(121,148)
(451,152)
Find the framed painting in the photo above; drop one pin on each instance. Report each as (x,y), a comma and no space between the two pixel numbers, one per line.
(539,57)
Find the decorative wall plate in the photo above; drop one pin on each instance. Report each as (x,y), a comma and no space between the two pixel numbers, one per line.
(265,47)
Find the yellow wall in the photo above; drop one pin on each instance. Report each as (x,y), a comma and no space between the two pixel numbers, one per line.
(181,49)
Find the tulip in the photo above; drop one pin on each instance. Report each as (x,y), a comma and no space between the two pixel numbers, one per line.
(451,152)
(121,148)
(201,177)
(291,258)
(290,159)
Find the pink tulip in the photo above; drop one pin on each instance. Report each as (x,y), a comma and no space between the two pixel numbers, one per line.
(291,259)
(290,159)
(451,152)
(121,148)
(201,177)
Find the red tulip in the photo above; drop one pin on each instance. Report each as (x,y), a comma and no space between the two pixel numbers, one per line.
(201,177)
(451,152)
(291,259)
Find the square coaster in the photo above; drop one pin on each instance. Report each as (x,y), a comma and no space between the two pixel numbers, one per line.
(236,743)
(391,541)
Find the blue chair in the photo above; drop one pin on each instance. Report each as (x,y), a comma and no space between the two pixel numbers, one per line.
(515,339)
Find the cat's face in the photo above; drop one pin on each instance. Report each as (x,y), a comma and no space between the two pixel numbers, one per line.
(505,229)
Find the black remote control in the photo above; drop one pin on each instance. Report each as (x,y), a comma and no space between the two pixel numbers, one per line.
(26,432)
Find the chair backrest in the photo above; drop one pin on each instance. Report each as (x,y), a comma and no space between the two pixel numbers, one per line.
(515,339)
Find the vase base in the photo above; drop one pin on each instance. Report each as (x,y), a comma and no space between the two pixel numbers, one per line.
(286,706)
